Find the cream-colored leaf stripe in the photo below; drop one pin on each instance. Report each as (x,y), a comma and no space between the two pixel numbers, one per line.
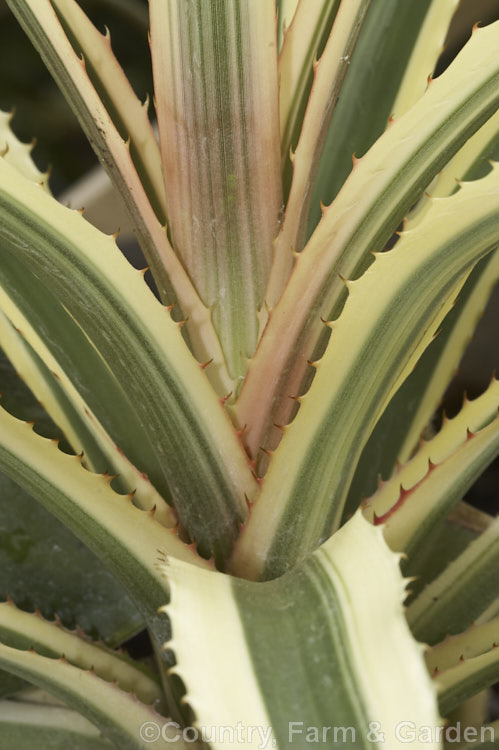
(379,191)
(327,624)
(305,28)
(128,539)
(480,145)
(41,23)
(458,683)
(144,349)
(462,593)
(329,73)
(478,639)
(46,383)
(425,54)
(117,714)
(424,490)
(24,630)
(302,496)
(129,114)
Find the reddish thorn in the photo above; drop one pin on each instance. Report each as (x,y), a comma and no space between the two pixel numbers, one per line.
(205,364)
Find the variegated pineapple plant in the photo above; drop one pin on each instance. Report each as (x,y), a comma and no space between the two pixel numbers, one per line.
(242,415)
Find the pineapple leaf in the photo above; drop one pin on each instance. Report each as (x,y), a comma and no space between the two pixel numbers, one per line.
(329,73)
(19,154)
(326,624)
(477,640)
(427,488)
(24,630)
(304,37)
(371,350)
(51,386)
(118,715)
(459,683)
(222,175)
(444,543)
(465,591)
(42,564)
(124,537)
(127,113)
(393,61)
(144,349)
(428,47)
(42,25)
(366,212)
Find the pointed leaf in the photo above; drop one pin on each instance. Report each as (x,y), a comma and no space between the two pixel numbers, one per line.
(306,29)
(124,537)
(42,564)
(128,114)
(362,218)
(329,73)
(143,347)
(372,349)
(215,72)
(427,488)
(393,42)
(40,22)
(51,386)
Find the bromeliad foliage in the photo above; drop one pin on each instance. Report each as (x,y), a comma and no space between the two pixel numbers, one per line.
(221,436)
